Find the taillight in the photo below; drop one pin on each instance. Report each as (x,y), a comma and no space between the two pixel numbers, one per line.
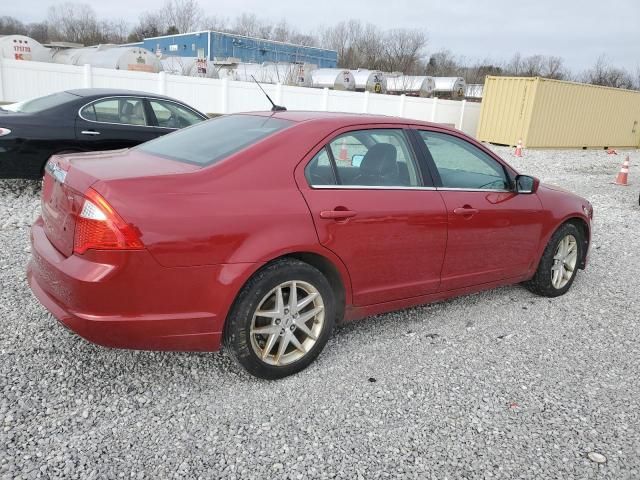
(99,227)
(4,131)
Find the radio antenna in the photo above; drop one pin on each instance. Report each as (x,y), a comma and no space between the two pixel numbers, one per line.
(274,108)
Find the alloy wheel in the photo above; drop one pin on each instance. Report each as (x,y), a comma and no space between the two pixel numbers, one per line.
(564,262)
(287,323)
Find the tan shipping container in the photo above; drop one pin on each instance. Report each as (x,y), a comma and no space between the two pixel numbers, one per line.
(557,114)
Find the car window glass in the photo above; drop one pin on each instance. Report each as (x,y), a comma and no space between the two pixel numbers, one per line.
(209,142)
(379,157)
(462,165)
(172,115)
(319,171)
(41,104)
(125,110)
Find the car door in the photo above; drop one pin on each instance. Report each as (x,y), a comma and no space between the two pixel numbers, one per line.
(372,208)
(493,232)
(114,122)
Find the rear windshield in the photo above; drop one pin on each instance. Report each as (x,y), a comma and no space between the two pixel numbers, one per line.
(41,104)
(211,141)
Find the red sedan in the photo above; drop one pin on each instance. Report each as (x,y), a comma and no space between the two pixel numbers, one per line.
(262,230)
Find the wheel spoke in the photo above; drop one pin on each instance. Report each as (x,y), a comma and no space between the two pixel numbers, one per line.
(268,313)
(296,343)
(266,330)
(269,346)
(303,326)
(279,301)
(306,316)
(293,298)
(306,301)
(284,343)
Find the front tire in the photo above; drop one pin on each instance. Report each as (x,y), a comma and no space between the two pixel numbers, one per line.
(281,320)
(559,263)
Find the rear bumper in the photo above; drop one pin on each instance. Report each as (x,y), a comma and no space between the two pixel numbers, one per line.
(125,299)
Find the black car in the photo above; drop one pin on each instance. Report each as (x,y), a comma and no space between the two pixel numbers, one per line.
(83,120)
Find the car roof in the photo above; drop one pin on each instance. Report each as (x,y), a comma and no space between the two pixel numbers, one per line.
(343,119)
(97,92)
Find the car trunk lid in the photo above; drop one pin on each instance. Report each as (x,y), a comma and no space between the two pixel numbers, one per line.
(68,177)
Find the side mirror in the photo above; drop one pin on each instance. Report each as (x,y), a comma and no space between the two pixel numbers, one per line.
(526,184)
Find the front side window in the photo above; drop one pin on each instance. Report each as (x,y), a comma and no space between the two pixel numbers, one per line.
(462,165)
(376,158)
(123,110)
(172,115)
(211,141)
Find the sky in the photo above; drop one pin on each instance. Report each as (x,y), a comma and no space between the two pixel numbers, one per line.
(578,31)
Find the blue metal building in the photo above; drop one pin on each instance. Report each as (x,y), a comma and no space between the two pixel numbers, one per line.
(217,45)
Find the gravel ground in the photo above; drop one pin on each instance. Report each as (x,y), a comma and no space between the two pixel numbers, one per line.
(501,384)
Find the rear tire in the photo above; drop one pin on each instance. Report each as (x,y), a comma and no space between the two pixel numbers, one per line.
(281,320)
(559,263)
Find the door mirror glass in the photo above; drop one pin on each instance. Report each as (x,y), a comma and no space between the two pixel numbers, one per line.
(356,160)
(526,184)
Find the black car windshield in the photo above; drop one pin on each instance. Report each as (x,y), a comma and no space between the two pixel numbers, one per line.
(209,142)
(40,104)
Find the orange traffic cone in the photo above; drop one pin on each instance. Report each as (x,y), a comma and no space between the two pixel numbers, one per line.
(623,175)
(344,155)
(518,152)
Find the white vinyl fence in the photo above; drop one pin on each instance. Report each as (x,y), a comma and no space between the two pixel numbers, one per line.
(20,80)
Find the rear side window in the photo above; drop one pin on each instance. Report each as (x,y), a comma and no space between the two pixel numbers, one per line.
(42,103)
(320,171)
(211,141)
(365,158)
(172,115)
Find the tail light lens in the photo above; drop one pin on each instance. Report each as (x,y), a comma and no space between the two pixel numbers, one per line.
(4,131)
(99,227)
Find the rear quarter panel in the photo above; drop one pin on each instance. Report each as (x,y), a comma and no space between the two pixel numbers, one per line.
(246,208)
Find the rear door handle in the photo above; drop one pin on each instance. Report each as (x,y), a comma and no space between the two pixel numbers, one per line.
(90,132)
(337,214)
(465,211)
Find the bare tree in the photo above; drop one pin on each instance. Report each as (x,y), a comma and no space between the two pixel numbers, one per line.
(39,31)
(443,64)
(602,73)
(246,24)
(404,50)
(216,23)
(184,15)
(150,24)
(77,22)
(547,66)
(554,68)
(12,26)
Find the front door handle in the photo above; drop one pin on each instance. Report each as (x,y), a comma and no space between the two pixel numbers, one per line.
(465,211)
(337,214)
(90,132)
